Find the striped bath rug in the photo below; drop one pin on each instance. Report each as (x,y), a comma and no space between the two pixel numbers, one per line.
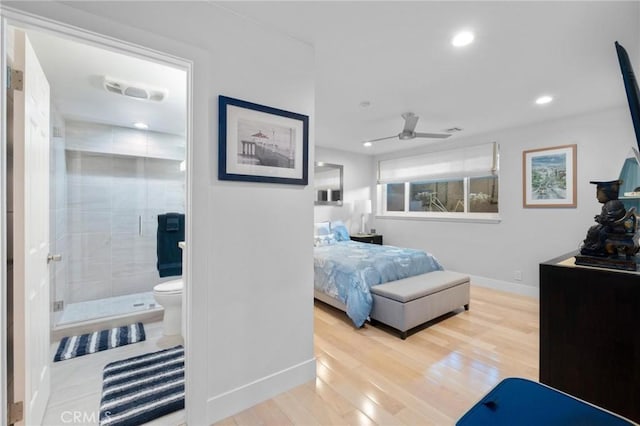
(140,389)
(71,347)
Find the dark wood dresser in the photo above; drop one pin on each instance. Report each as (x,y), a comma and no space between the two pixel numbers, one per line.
(590,334)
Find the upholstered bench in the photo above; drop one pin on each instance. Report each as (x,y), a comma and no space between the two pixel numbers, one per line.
(409,302)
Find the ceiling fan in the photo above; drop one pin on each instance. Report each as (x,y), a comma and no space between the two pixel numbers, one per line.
(407,133)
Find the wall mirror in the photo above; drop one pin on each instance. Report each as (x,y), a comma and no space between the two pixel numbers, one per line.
(328,184)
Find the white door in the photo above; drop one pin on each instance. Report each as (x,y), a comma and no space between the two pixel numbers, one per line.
(31,234)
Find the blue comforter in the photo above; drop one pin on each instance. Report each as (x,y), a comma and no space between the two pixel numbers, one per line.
(347,270)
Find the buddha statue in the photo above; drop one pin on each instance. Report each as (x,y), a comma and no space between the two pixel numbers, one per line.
(615,230)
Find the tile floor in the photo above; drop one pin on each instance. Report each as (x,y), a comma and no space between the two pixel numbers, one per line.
(76,384)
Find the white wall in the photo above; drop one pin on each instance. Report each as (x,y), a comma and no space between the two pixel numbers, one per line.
(524,237)
(358,170)
(250,334)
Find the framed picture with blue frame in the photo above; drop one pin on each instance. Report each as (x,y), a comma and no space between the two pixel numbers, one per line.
(257,143)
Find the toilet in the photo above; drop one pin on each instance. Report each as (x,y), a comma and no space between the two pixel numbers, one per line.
(169,295)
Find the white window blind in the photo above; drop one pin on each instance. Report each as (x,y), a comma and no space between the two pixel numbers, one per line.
(472,161)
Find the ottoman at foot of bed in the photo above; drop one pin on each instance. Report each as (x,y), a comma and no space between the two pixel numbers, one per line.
(410,302)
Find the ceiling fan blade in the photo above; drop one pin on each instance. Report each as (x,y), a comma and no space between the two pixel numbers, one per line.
(410,121)
(432,135)
(383,139)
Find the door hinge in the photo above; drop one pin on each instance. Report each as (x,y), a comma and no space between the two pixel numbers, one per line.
(15,79)
(16,412)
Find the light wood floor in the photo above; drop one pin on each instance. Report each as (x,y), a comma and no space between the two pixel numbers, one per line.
(76,384)
(369,376)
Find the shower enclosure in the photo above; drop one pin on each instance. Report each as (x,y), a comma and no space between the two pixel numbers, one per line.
(108,185)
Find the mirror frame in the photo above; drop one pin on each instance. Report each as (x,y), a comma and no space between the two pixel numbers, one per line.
(340,167)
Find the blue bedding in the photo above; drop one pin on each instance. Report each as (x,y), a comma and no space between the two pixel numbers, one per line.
(348,269)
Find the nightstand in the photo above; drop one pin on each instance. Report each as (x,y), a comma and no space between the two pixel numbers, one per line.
(367,238)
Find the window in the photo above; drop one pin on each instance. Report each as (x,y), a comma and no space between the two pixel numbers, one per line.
(483,194)
(395,197)
(461,183)
(443,196)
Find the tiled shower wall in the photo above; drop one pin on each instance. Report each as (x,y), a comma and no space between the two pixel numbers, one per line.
(115,192)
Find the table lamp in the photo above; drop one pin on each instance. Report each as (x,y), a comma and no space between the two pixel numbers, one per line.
(364,206)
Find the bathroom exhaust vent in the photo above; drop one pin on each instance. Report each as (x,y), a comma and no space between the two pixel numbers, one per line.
(134,90)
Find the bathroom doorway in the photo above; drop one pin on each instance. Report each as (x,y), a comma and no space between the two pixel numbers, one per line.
(118,159)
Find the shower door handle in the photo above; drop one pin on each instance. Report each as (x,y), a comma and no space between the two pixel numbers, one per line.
(54,258)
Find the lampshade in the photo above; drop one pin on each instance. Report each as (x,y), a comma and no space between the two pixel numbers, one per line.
(363,206)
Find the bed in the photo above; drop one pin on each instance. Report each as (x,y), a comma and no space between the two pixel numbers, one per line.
(344,272)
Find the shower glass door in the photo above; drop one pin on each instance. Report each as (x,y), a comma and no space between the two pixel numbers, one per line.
(112,204)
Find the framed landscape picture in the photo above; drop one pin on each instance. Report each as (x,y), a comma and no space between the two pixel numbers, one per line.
(549,177)
(257,143)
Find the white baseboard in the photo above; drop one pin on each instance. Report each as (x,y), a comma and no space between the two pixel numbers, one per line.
(521,289)
(232,402)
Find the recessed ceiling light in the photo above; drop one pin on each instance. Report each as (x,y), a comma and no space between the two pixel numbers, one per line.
(367,144)
(141,125)
(544,100)
(463,38)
